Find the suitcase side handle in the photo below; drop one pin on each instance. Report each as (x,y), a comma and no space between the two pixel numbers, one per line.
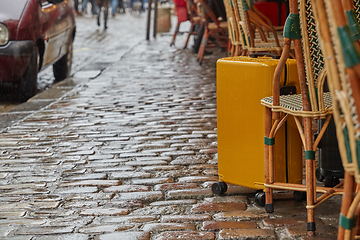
(255,55)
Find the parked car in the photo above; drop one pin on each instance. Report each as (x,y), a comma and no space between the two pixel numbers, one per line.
(35,34)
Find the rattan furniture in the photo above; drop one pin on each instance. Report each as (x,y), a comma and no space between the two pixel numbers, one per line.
(233,31)
(312,103)
(192,15)
(339,37)
(257,34)
(214,28)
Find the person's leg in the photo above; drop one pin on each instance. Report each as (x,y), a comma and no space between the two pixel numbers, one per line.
(98,9)
(83,5)
(94,7)
(114,4)
(121,6)
(132,3)
(142,6)
(106,12)
(76,5)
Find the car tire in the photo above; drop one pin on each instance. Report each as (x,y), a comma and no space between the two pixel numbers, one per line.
(28,82)
(62,67)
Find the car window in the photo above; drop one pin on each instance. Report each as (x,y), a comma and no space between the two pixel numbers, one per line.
(11,9)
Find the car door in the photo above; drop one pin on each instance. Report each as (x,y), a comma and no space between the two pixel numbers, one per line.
(56,25)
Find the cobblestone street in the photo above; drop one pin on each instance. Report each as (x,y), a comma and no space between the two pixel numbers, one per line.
(127,149)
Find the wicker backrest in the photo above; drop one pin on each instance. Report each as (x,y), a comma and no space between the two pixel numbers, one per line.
(313,58)
(232,30)
(243,6)
(239,24)
(341,73)
(357,9)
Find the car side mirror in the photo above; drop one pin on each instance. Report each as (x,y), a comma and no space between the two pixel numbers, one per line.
(55,1)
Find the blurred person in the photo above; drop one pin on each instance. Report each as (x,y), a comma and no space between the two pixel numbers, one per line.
(101,4)
(142,6)
(76,3)
(132,3)
(114,4)
(121,6)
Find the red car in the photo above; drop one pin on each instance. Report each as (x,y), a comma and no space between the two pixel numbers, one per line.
(35,34)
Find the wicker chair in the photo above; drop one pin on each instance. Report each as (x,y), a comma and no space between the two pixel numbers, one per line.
(312,103)
(339,37)
(233,32)
(258,35)
(256,16)
(213,28)
(195,19)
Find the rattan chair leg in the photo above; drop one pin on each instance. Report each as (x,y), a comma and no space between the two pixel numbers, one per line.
(202,47)
(268,163)
(175,33)
(191,31)
(347,198)
(355,231)
(310,192)
(310,157)
(349,233)
(310,176)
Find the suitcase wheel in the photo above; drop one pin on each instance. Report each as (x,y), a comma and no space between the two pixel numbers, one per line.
(299,196)
(219,188)
(260,199)
(331,181)
(319,176)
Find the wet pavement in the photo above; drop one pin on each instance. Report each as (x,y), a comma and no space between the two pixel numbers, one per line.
(127,149)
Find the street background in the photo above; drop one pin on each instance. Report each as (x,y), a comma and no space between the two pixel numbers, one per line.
(127,149)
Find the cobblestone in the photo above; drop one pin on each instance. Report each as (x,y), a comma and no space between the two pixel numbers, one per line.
(175,235)
(215,225)
(247,234)
(129,219)
(224,207)
(145,196)
(125,235)
(100,211)
(91,183)
(105,228)
(152,227)
(173,202)
(241,215)
(189,193)
(127,188)
(186,218)
(44,230)
(170,186)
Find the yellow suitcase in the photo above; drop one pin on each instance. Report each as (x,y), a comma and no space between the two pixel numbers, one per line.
(241,83)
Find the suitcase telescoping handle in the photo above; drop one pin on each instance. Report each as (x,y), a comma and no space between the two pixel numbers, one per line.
(255,55)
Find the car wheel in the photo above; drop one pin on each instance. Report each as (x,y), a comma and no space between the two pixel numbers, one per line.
(28,82)
(62,67)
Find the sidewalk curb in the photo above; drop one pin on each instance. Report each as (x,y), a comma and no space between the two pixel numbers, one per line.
(39,102)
